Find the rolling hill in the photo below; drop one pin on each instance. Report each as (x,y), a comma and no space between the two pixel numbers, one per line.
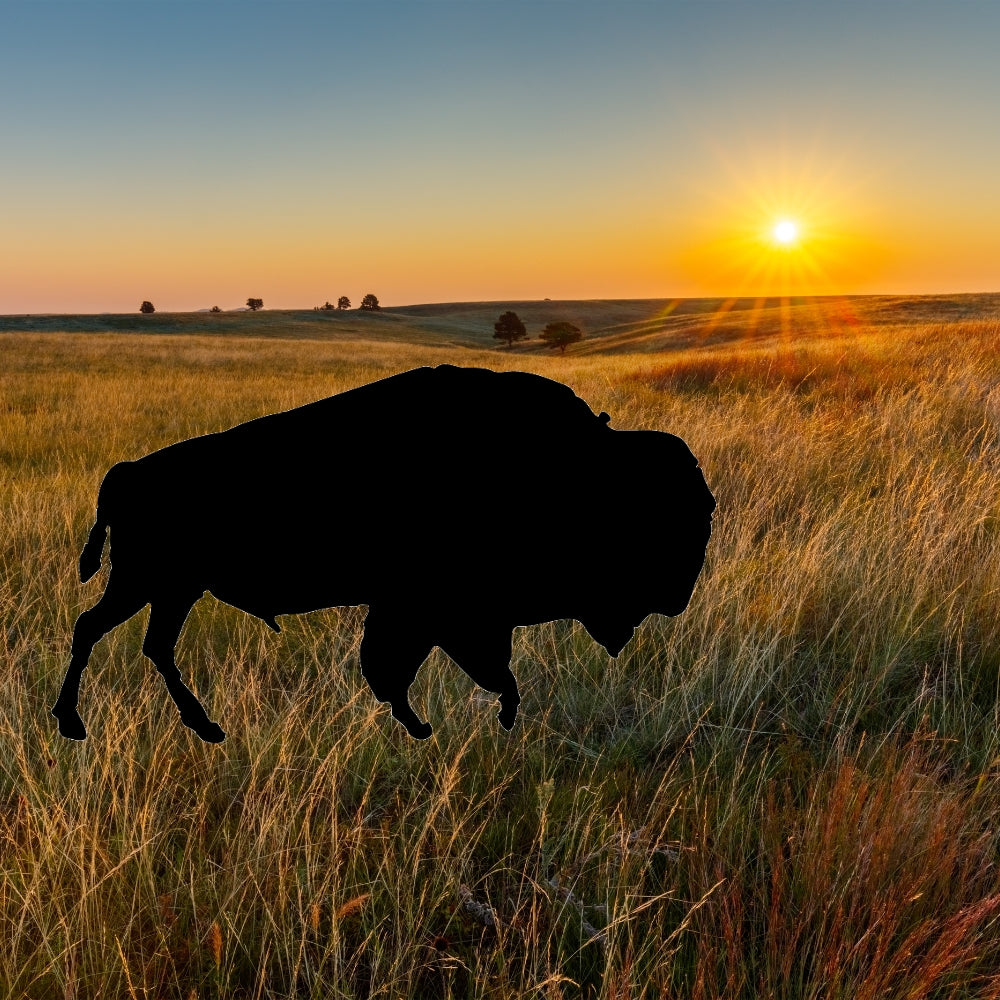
(610,326)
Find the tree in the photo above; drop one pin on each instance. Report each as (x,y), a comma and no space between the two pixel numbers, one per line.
(328,305)
(215,309)
(343,302)
(510,328)
(370,302)
(147,307)
(560,334)
(254,304)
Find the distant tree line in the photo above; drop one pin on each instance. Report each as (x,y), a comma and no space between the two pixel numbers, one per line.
(559,334)
(252,304)
(368,303)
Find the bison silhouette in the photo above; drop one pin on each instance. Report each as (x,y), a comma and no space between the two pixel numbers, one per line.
(457,503)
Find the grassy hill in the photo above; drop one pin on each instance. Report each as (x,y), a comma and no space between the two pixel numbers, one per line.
(609,326)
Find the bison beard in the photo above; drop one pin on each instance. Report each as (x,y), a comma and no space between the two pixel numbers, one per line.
(456,503)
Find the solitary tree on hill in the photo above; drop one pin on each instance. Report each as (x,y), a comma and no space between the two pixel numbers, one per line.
(147,307)
(343,302)
(370,302)
(510,328)
(254,304)
(560,334)
(215,309)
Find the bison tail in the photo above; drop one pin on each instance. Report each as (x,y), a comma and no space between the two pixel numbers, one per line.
(90,558)
(115,481)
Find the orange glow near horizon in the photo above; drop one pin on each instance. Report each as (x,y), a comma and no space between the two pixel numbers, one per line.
(751,225)
(758,230)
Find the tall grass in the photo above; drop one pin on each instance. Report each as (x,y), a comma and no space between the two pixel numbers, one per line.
(788,791)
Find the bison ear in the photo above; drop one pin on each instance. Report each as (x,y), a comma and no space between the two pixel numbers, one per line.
(613,636)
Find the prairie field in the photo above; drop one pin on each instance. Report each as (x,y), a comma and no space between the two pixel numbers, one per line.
(791,790)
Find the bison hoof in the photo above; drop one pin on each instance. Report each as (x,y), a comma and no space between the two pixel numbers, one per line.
(210,732)
(404,714)
(70,724)
(507,717)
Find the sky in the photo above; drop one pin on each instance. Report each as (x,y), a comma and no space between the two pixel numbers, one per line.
(197,152)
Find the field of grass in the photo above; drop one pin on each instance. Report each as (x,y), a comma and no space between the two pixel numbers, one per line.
(791,791)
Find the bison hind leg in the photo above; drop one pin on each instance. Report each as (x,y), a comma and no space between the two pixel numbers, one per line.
(166,619)
(116,606)
(392,650)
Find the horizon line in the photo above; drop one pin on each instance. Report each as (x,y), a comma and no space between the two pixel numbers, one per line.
(485,302)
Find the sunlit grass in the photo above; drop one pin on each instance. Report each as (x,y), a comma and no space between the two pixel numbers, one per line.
(788,791)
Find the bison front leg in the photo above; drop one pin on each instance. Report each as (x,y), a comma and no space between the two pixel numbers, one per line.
(165,623)
(115,606)
(484,654)
(391,653)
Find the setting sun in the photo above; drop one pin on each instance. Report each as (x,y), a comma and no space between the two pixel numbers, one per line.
(786,232)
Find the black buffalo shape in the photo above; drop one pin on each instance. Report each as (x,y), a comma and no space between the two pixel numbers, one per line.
(457,503)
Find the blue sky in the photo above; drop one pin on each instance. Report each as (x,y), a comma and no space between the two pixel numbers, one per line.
(195,152)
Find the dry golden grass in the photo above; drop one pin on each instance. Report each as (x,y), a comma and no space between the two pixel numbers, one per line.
(789,791)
